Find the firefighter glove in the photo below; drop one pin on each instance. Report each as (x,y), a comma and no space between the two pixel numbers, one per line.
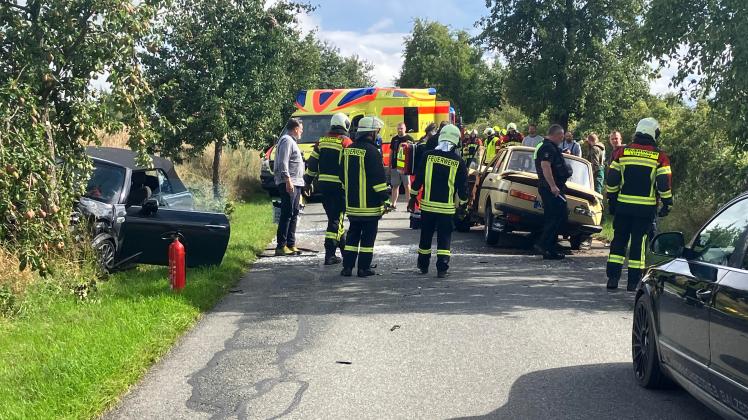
(664,211)
(412,204)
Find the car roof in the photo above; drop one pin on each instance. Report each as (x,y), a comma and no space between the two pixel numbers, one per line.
(125,158)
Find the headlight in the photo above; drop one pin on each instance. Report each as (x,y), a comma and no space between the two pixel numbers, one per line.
(584,211)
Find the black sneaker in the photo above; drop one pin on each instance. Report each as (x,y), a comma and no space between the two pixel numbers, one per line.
(346,272)
(441,274)
(612,284)
(333,260)
(366,273)
(630,287)
(553,256)
(423,270)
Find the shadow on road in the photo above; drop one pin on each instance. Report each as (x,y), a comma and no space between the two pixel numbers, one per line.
(602,391)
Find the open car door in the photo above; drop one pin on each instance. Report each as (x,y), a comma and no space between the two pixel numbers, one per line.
(148,231)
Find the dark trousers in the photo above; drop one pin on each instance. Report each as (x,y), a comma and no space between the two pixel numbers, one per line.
(362,232)
(334,203)
(289,216)
(555,216)
(628,228)
(443,225)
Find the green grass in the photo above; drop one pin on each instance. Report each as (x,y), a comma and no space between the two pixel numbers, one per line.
(607,233)
(72,359)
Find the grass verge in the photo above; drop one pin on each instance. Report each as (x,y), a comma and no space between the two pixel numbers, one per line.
(74,359)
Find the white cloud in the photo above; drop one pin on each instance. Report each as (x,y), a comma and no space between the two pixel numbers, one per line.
(381,25)
(383,50)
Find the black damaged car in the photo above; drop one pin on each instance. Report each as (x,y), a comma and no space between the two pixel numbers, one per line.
(691,313)
(135,213)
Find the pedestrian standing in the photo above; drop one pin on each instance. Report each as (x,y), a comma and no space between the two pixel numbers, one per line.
(366,193)
(647,174)
(398,171)
(441,173)
(471,147)
(289,177)
(616,143)
(569,146)
(323,166)
(595,154)
(512,136)
(553,171)
(490,144)
(533,139)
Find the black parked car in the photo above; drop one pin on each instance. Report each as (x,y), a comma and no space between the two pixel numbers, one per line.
(691,313)
(136,212)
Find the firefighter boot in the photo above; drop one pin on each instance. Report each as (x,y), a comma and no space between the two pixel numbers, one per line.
(442,265)
(423,263)
(330,257)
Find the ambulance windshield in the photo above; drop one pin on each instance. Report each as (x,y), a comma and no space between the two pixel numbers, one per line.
(315,126)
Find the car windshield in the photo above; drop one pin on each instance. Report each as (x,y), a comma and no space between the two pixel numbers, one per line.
(106,183)
(522,161)
(315,126)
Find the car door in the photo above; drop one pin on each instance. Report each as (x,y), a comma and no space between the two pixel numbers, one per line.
(146,236)
(490,179)
(172,198)
(728,331)
(687,290)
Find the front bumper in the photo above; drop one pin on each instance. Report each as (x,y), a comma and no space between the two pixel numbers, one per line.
(516,219)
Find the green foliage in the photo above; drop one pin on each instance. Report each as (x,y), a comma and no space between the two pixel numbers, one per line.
(446,60)
(49,52)
(704,38)
(567,58)
(502,117)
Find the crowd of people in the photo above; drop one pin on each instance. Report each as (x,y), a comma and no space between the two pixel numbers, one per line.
(353,181)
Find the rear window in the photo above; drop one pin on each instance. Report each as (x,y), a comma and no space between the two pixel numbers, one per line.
(522,161)
(106,183)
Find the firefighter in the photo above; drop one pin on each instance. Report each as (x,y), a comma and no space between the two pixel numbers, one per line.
(470,149)
(512,136)
(323,165)
(490,143)
(647,174)
(441,173)
(366,195)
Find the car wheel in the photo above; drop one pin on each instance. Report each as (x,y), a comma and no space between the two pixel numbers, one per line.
(491,236)
(647,371)
(106,251)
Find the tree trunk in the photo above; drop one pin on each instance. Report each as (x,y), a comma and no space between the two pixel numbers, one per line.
(216,169)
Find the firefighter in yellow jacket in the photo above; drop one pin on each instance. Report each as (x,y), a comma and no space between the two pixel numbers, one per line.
(441,173)
(366,194)
(323,166)
(647,174)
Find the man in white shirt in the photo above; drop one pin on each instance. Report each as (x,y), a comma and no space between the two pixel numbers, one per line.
(532,139)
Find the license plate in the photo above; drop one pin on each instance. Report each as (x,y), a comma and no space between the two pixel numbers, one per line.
(537,205)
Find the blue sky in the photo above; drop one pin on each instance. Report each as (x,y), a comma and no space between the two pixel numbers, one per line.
(375,30)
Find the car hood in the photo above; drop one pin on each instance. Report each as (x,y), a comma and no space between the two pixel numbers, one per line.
(573,188)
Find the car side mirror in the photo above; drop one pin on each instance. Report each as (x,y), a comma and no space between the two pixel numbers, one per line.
(669,244)
(150,206)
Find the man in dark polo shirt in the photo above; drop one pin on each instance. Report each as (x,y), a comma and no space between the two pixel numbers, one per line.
(553,171)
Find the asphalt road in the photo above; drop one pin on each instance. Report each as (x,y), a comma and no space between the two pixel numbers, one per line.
(507,336)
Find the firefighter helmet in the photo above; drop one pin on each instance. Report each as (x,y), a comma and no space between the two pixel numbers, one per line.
(369,124)
(340,120)
(512,126)
(488,131)
(451,134)
(648,127)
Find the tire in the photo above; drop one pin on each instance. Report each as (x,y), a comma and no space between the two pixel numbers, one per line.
(646,360)
(491,237)
(106,251)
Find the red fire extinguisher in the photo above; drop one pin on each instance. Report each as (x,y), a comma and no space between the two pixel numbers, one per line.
(177,274)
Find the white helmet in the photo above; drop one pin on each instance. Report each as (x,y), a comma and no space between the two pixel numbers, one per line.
(512,126)
(474,132)
(649,127)
(340,120)
(489,131)
(369,124)
(450,133)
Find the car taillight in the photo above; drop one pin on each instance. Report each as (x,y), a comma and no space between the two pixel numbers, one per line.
(523,195)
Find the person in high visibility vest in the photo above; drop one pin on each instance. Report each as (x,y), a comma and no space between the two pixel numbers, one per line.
(398,173)
(441,173)
(366,194)
(648,177)
(490,144)
(471,146)
(323,166)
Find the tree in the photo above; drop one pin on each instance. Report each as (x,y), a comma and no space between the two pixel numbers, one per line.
(221,72)
(568,58)
(704,39)
(50,50)
(446,60)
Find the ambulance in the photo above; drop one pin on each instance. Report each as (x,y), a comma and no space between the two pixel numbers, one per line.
(417,108)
